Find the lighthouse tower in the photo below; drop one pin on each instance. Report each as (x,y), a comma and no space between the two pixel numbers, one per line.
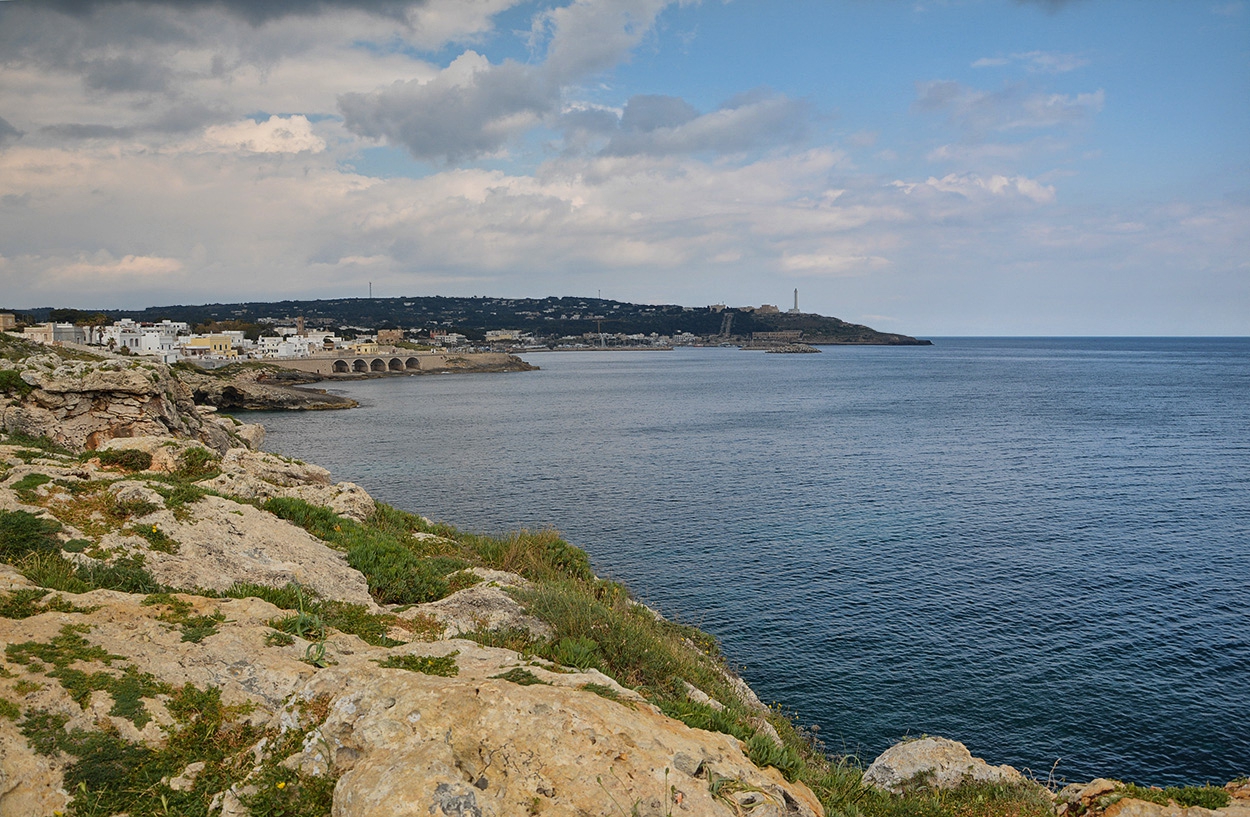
(795,311)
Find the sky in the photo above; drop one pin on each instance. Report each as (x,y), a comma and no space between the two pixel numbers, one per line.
(931,167)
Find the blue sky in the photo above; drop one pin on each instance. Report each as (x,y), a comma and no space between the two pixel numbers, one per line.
(933,167)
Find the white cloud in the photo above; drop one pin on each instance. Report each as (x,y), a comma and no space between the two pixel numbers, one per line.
(102,264)
(973,186)
(1037,62)
(278,134)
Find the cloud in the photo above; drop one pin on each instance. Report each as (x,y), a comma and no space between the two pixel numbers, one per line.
(662,125)
(1037,62)
(253,11)
(102,264)
(974,186)
(291,134)
(471,109)
(8,133)
(126,74)
(590,36)
(1012,108)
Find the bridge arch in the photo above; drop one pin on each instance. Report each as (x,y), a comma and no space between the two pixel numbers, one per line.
(413,363)
(377,364)
(359,365)
(342,366)
(395,365)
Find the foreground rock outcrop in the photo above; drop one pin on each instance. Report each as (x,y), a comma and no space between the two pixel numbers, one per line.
(932,762)
(82,404)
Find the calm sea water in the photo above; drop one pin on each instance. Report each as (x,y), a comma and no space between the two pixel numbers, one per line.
(1040,547)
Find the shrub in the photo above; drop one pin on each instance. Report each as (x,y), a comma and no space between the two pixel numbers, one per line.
(196,463)
(25,487)
(127,459)
(11,381)
(396,575)
(22,533)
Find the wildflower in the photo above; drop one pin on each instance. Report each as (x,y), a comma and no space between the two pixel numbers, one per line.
(282,784)
(154,529)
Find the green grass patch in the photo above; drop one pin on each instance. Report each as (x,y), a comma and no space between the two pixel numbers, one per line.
(444,665)
(53,571)
(11,382)
(196,463)
(395,573)
(43,444)
(157,539)
(520,675)
(25,487)
(604,691)
(107,774)
(194,628)
(9,710)
(70,648)
(1208,797)
(127,459)
(27,602)
(179,496)
(23,533)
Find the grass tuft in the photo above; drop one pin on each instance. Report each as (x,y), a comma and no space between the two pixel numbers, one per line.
(444,665)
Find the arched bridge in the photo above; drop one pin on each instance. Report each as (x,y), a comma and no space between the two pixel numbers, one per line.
(382,363)
(396,361)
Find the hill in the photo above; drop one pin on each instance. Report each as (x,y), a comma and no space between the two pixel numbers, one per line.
(544,317)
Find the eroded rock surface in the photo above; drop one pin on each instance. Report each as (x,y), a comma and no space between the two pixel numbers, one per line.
(935,763)
(82,404)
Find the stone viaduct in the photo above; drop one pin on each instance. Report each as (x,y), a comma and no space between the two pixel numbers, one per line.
(397,361)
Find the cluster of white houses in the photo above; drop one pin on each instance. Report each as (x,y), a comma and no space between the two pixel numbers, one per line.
(172,341)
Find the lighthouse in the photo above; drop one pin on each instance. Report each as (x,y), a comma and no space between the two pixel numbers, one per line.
(795,311)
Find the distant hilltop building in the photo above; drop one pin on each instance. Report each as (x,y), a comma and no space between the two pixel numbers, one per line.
(7,321)
(768,309)
(389,337)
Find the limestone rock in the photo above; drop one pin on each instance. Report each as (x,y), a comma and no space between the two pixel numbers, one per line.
(1132,807)
(937,763)
(483,606)
(29,782)
(257,475)
(166,452)
(1106,798)
(261,388)
(409,744)
(222,542)
(83,404)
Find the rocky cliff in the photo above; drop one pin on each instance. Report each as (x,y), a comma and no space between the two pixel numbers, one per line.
(189,626)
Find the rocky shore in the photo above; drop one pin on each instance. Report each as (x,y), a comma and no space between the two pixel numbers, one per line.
(191,626)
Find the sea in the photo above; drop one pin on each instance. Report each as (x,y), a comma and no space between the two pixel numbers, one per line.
(1037,546)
